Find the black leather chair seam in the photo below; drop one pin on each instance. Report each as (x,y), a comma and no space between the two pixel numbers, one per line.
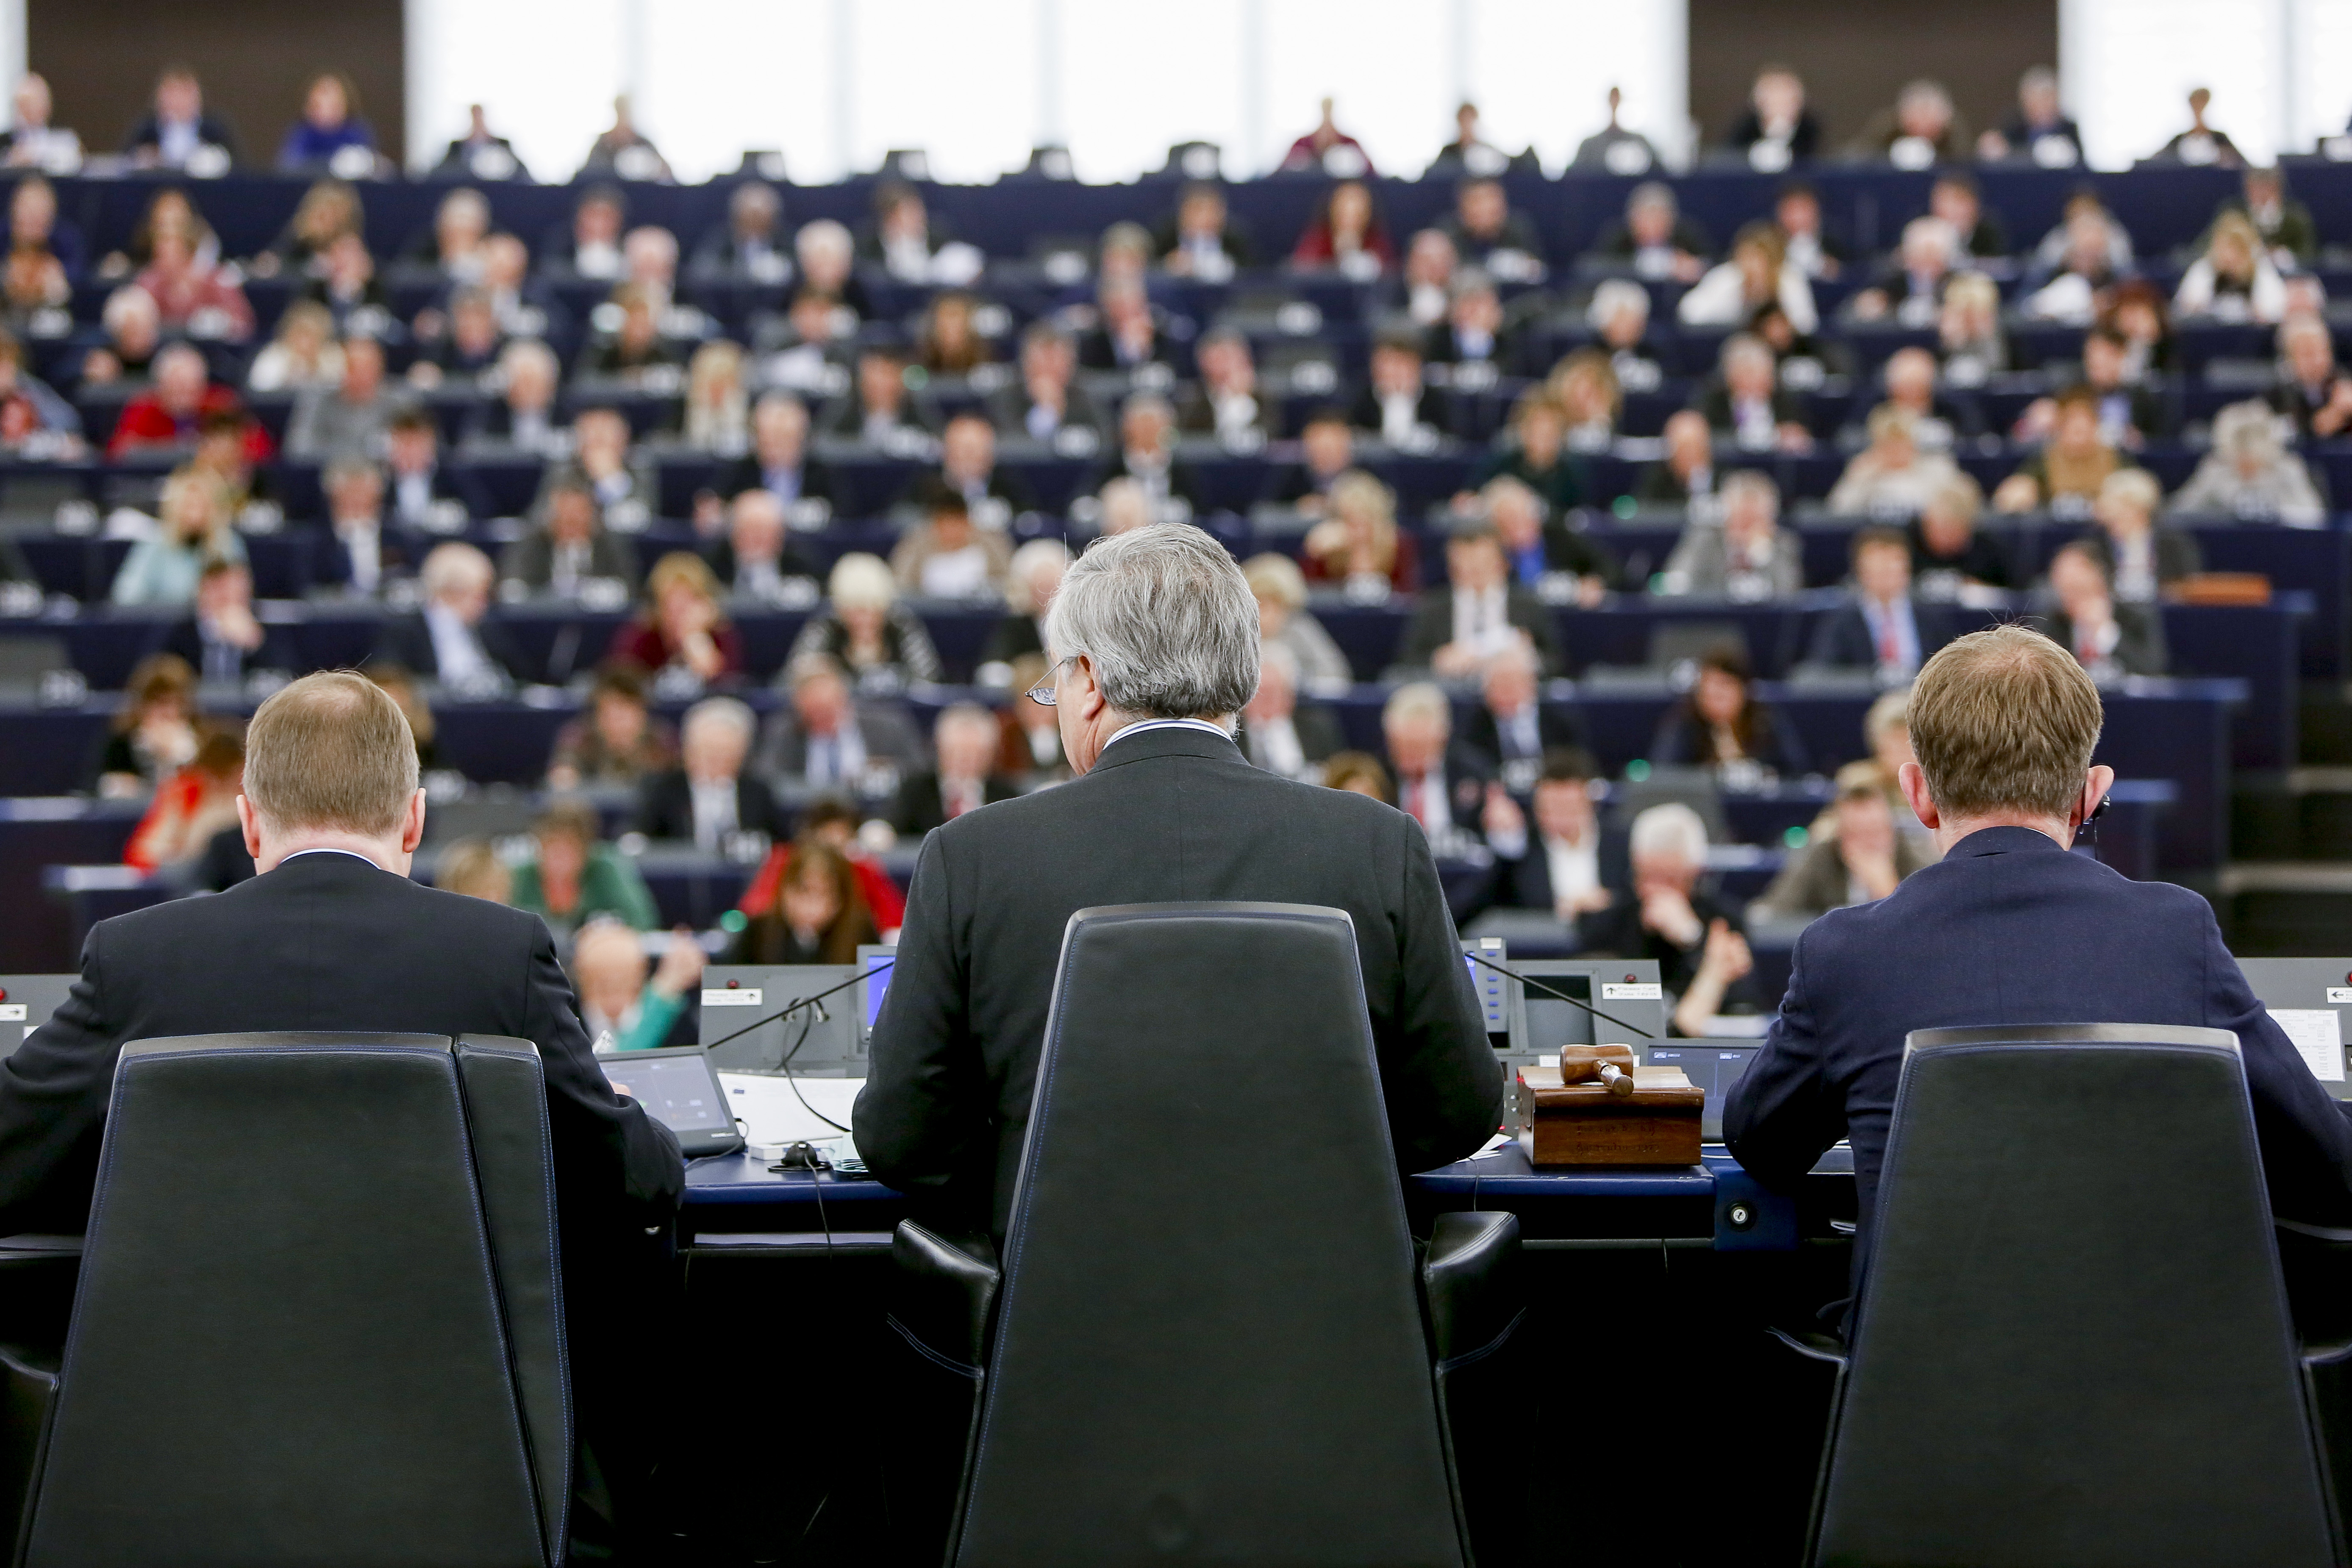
(1472,1358)
(960,1368)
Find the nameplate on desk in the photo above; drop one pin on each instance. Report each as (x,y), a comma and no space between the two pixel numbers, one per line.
(745,996)
(2339,995)
(1631,991)
(12,1011)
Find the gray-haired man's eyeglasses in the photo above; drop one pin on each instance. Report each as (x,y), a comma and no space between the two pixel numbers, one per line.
(1043,694)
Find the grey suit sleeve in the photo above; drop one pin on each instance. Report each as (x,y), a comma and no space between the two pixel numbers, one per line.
(918,1123)
(1443,1086)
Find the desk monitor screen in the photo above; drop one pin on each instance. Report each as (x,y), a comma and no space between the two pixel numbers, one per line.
(1713,1064)
(820,1040)
(681,1089)
(25,1003)
(874,967)
(1627,989)
(2312,1000)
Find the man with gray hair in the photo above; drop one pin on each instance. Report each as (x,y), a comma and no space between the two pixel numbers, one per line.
(1155,639)
(708,797)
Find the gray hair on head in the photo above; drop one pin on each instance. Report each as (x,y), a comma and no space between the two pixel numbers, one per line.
(1167,620)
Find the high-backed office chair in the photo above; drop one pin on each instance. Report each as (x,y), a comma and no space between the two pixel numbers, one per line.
(1178,1367)
(2072,1346)
(319,1318)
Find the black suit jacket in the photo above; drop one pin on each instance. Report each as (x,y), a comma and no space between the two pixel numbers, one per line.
(1317,727)
(2139,650)
(1841,639)
(408,642)
(1432,627)
(742,473)
(1166,816)
(919,807)
(1555,726)
(1432,410)
(2008,929)
(328,942)
(276,650)
(666,807)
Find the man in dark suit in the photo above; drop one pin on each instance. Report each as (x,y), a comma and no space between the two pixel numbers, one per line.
(1879,627)
(449,639)
(334,935)
(1397,406)
(1511,727)
(827,739)
(1046,405)
(2109,637)
(1560,860)
(1457,628)
(1158,637)
(778,462)
(1279,734)
(2009,928)
(364,549)
(966,742)
(709,797)
(221,640)
(1441,783)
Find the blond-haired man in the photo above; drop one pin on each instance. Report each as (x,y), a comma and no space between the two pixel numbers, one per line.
(2009,928)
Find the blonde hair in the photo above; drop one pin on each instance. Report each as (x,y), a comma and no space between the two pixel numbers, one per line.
(2132,487)
(861,582)
(453,565)
(331,750)
(1419,699)
(472,868)
(2004,720)
(1277,578)
(1892,710)
(680,569)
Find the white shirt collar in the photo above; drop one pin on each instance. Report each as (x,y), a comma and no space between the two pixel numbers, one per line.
(1219,731)
(326,850)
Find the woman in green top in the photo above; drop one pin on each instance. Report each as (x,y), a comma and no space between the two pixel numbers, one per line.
(577,876)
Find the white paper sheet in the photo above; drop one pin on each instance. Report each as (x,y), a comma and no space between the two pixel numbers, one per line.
(775,1115)
(2319,1034)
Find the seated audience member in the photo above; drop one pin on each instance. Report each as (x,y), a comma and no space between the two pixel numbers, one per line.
(2313,390)
(1030,746)
(1426,289)
(968,468)
(2065,475)
(1777,120)
(681,632)
(570,547)
(575,877)
(1326,449)
(1969,335)
(949,341)
(523,415)
(1330,149)
(1201,240)
(833,821)
(1031,580)
(827,739)
(778,462)
(2067,286)
(1536,455)
(192,806)
(617,742)
(1757,273)
(1359,546)
(2107,638)
(1441,783)
(620,1007)
(818,913)
(2235,280)
(1225,405)
(2141,558)
(881,643)
(1879,629)
(1958,200)
(625,483)
(1543,550)
(1129,333)
(1284,622)
(1891,477)
(1147,454)
(1948,553)
(1346,233)
(395,682)
(153,733)
(2130,411)
(1745,404)
(1510,727)
(2200,145)
(1360,772)
(1612,147)
(1721,723)
(28,396)
(962,778)
(1745,554)
(221,638)
(1558,865)
(44,255)
(331,127)
(827,256)
(452,247)
(623,151)
(33,141)
(347,285)
(1806,359)
(1619,315)
(194,529)
(1670,918)
(1858,862)
(904,240)
(1397,406)
(633,352)
(1590,400)
(472,867)
(1125,506)
(755,559)
(170,412)
(751,246)
(363,553)
(1275,733)
(946,557)
(521,306)
(1886,730)
(1921,128)
(133,334)
(1488,235)
(709,797)
(1044,402)
(1797,213)
(448,639)
(880,409)
(420,491)
(2283,222)
(1653,238)
(2252,474)
(1910,377)
(1686,473)
(191,296)
(590,246)
(178,127)
(353,419)
(1910,287)
(1480,612)
(2039,132)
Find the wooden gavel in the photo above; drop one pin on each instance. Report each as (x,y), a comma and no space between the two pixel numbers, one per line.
(1611,1066)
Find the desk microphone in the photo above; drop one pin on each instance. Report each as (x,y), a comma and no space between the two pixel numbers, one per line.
(1554,991)
(803,1001)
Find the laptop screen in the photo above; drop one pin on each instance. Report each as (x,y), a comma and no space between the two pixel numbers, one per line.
(680,1091)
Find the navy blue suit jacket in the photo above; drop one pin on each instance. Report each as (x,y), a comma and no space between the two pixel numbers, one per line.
(2011,929)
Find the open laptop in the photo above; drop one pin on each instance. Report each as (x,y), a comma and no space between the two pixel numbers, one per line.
(743,1033)
(25,1003)
(679,1088)
(2310,997)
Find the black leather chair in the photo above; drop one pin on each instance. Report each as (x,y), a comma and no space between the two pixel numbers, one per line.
(2072,1346)
(1176,1370)
(319,1318)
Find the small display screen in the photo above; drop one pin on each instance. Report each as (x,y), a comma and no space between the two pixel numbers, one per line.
(681,1092)
(877,985)
(1711,1066)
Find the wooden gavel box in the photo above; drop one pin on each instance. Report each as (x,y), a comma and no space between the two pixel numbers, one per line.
(1597,1108)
